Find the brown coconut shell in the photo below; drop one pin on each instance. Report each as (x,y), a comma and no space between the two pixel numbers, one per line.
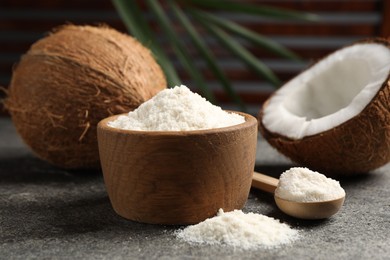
(358,145)
(70,80)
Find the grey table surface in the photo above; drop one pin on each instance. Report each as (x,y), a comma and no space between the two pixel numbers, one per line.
(51,213)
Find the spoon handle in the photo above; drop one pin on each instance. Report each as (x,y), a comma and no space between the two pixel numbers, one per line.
(264,182)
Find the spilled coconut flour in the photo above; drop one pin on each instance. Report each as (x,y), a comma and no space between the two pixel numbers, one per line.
(303,185)
(239,230)
(176,109)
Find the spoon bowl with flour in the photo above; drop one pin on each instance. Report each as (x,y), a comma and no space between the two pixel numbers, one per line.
(303,193)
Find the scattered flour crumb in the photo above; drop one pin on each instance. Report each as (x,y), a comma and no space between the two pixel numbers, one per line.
(239,230)
(176,109)
(303,185)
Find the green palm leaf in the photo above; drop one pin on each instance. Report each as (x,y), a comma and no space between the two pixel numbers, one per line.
(255,38)
(179,49)
(207,54)
(136,24)
(256,9)
(218,27)
(250,60)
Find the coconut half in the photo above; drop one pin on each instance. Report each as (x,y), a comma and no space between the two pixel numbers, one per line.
(335,116)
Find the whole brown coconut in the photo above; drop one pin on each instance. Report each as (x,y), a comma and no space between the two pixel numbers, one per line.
(335,116)
(70,80)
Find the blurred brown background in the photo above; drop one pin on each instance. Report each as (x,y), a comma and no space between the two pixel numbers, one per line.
(22,22)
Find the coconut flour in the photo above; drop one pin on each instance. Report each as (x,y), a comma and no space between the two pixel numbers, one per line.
(239,230)
(303,185)
(176,109)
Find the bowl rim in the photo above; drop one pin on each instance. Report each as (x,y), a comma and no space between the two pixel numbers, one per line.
(249,122)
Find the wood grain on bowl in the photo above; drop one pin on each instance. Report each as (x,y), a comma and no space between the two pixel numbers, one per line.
(178,177)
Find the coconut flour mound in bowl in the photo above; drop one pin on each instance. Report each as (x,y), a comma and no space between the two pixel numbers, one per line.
(176,109)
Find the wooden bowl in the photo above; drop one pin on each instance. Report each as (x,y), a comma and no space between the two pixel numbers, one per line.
(177,177)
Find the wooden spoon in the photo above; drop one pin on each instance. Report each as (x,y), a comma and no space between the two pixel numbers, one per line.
(303,210)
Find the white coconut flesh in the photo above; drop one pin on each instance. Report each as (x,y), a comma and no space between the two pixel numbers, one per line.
(328,94)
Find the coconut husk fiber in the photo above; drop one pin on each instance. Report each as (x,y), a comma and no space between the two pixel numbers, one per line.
(70,80)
